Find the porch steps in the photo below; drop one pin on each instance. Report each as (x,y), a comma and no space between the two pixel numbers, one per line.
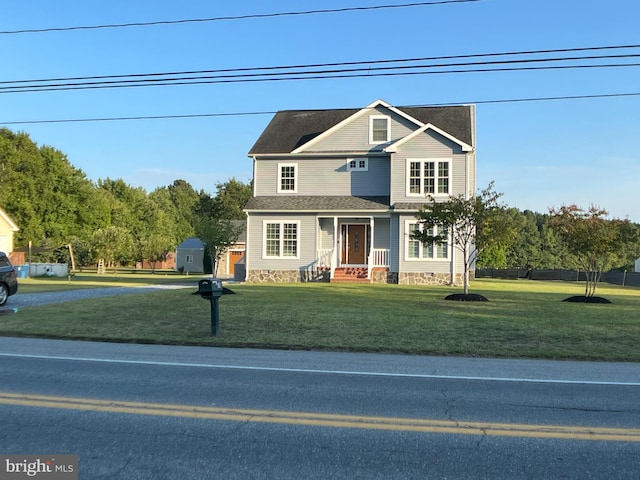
(350,275)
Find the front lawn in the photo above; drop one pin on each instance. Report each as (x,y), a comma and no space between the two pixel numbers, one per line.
(522,319)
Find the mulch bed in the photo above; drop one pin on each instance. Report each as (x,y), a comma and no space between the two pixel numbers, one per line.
(584,299)
(469,297)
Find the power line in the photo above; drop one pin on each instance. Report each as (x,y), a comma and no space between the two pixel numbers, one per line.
(235,17)
(361,72)
(326,65)
(239,114)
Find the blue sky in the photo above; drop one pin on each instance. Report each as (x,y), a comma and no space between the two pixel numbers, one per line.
(540,154)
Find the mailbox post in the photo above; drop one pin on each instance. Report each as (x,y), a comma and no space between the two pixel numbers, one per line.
(211,290)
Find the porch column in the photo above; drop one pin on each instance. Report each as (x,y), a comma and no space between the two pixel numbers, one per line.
(334,252)
(370,259)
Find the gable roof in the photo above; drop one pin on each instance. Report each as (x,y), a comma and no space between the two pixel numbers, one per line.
(192,243)
(291,129)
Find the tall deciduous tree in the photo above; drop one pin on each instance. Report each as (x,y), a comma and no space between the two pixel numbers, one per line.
(597,242)
(230,199)
(469,224)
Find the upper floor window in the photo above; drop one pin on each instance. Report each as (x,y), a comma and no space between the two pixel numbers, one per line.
(416,250)
(379,129)
(287,177)
(428,176)
(356,164)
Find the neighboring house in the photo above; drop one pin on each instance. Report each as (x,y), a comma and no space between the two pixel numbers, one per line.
(336,193)
(227,264)
(637,265)
(190,256)
(7,228)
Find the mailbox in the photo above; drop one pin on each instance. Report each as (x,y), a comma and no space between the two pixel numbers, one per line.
(211,289)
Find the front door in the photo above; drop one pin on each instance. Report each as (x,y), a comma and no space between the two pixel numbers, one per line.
(354,244)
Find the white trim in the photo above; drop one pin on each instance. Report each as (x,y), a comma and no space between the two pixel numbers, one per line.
(394,148)
(372,119)
(358,114)
(10,222)
(422,193)
(421,257)
(295,178)
(280,255)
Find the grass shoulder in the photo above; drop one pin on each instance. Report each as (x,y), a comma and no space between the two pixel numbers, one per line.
(525,319)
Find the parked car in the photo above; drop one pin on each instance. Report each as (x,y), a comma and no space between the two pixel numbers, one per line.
(8,279)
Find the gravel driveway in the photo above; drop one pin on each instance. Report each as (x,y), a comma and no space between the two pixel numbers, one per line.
(21,300)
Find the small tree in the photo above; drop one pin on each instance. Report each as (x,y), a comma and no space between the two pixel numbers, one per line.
(217,236)
(469,224)
(597,242)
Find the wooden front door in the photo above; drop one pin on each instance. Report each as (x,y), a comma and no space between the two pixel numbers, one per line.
(354,244)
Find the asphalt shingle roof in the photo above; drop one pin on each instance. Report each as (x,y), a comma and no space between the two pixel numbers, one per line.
(289,129)
(317,203)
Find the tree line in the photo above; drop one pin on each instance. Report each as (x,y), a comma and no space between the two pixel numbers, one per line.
(537,242)
(55,204)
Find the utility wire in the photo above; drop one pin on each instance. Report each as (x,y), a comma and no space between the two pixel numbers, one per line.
(239,114)
(236,17)
(327,65)
(299,76)
(360,72)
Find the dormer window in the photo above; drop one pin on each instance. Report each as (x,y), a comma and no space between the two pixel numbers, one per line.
(379,126)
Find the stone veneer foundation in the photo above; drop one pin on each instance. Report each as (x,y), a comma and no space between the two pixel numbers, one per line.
(409,278)
(378,275)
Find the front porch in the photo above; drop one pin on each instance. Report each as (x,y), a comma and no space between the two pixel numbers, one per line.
(374,270)
(352,249)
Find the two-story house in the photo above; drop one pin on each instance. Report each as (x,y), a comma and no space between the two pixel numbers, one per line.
(336,193)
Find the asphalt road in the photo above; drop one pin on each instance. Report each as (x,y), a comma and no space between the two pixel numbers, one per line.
(165,412)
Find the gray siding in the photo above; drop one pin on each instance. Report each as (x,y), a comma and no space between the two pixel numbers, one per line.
(381,233)
(354,137)
(197,266)
(326,233)
(429,145)
(325,176)
(307,243)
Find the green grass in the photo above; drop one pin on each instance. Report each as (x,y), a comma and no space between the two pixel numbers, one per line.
(521,319)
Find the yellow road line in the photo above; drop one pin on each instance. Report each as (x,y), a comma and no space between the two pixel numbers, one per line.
(326,420)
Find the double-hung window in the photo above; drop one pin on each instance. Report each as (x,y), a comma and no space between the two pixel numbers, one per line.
(428,176)
(416,250)
(379,129)
(287,178)
(281,239)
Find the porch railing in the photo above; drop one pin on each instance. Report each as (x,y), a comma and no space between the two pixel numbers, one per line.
(379,257)
(324,258)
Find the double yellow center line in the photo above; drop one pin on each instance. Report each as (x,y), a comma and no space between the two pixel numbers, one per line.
(326,420)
